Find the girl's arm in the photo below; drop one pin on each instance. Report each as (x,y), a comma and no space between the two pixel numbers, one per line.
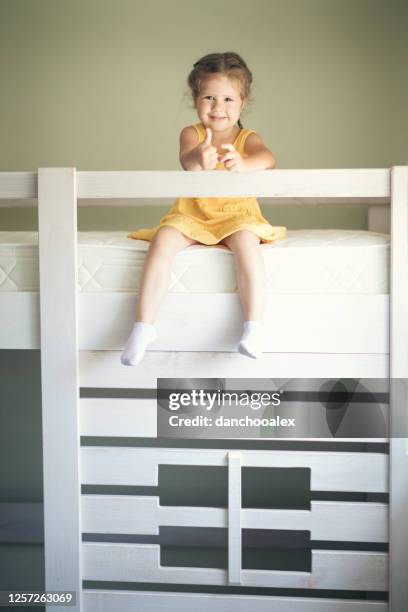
(194,156)
(259,156)
(188,144)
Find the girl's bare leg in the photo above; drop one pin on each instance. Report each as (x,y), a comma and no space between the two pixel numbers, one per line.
(250,272)
(156,271)
(167,242)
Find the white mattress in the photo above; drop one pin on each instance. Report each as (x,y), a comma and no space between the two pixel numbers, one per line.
(308,261)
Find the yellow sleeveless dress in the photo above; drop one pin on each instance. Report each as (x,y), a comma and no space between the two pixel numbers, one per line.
(209,220)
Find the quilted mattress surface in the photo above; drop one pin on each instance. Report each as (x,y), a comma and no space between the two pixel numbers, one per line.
(308,261)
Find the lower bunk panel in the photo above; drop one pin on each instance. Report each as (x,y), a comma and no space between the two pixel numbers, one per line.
(103,369)
(145,601)
(313,323)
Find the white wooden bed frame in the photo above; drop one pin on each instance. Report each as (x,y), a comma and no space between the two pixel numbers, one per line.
(89,358)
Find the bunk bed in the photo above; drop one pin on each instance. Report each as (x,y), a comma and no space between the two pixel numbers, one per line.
(331,318)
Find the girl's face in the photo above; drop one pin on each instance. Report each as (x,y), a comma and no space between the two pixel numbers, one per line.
(219,103)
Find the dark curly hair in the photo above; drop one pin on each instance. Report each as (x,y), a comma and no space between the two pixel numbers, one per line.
(231,64)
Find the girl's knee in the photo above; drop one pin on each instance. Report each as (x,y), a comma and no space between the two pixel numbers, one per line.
(166,233)
(243,239)
(169,240)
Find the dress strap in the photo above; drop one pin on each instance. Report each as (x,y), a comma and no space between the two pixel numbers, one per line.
(240,141)
(200,129)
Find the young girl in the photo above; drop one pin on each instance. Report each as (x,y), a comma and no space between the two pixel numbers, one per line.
(220,86)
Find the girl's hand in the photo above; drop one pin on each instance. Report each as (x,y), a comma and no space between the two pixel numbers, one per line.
(232,160)
(207,155)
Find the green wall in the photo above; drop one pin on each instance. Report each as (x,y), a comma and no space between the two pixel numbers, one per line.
(101,85)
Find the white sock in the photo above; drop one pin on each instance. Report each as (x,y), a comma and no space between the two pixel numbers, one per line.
(140,337)
(250,344)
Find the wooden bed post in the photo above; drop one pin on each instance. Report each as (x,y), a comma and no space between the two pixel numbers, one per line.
(398,538)
(57,226)
(234,518)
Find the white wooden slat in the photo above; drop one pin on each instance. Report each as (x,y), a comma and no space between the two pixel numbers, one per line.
(348,570)
(143,515)
(19,186)
(59,379)
(125,417)
(330,471)
(326,183)
(166,202)
(127,601)
(234,518)
(399,273)
(358,355)
(313,323)
(369,185)
(349,521)
(103,368)
(398,568)
(118,417)
(326,520)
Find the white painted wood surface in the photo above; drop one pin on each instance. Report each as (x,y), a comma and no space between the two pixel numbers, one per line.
(144,601)
(184,324)
(118,417)
(234,518)
(398,569)
(293,184)
(103,368)
(59,379)
(399,273)
(330,471)
(326,520)
(331,569)
(125,514)
(293,323)
(127,417)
